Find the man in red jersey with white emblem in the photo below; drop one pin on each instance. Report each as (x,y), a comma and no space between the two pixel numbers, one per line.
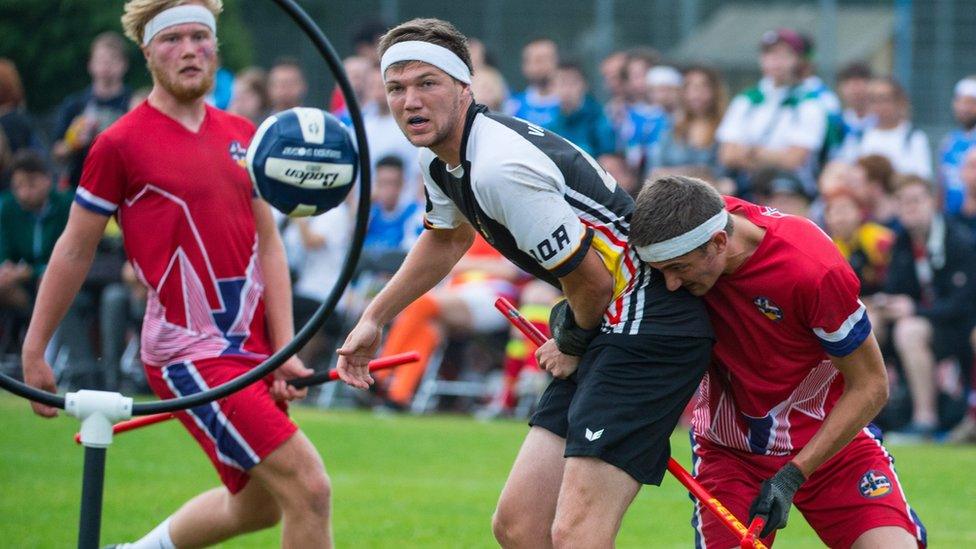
(219,299)
(784,412)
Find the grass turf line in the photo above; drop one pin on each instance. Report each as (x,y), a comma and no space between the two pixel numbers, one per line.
(398,481)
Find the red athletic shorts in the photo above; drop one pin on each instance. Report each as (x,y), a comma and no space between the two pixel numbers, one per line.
(855,491)
(235,432)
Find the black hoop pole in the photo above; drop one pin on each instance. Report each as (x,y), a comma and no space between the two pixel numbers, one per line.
(92,485)
(325,49)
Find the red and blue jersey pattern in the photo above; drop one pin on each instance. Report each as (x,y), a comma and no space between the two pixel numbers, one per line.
(777,319)
(183,201)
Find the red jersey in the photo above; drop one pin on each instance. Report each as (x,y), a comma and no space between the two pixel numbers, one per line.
(776,319)
(183,201)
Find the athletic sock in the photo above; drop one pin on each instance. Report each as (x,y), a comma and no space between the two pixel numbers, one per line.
(158,538)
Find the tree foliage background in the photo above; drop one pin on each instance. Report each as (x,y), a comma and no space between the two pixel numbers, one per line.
(49,42)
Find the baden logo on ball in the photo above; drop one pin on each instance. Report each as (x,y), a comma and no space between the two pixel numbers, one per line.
(302,161)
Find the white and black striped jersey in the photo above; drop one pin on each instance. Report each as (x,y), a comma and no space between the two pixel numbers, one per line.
(542,202)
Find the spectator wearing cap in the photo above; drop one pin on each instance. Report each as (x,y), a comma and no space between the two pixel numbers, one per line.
(83,115)
(538,102)
(929,295)
(664,88)
(893,135)
(689,147)
(580,118)
(957,143)
(775,123)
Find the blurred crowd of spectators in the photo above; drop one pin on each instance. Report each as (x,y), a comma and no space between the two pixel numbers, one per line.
(850,161)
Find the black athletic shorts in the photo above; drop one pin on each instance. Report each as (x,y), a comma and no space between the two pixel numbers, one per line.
(625,399)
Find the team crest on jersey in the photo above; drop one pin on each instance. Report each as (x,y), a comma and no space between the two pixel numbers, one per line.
(772,212)
(769,309)
(238,153)
(874,484)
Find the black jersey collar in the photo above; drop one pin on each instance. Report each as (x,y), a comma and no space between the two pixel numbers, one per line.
(474,109)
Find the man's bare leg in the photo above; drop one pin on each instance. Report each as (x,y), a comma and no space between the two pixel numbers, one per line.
(913,339)
(885,537)
(295,475)
(527,504)
(592,502)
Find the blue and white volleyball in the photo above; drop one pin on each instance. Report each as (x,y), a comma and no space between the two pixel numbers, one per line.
(302,161)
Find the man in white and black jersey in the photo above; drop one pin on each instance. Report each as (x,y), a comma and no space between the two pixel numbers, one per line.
(627,354)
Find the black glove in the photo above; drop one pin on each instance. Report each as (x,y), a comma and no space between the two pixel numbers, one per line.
(570,338)
(775,498)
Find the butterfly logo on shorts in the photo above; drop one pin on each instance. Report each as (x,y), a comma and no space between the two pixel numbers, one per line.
(769,309)
(874,484)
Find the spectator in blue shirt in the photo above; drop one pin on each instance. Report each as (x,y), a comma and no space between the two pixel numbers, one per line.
(643,124)
(955,145)
(390,219)
(538,103)
(580,118)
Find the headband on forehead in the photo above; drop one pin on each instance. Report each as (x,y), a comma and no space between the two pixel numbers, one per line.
(180,15)
(966,87)
(683,243)
(438,56)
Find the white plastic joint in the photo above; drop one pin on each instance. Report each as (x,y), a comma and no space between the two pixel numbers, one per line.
(98,411)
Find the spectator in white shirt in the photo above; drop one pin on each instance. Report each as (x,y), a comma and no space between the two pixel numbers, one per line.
(775,124)
(892,136)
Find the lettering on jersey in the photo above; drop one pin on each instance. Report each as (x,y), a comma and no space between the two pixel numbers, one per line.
(548,248)
(238,153)
(874,484)
(769,309)
(535,130)
(772,212)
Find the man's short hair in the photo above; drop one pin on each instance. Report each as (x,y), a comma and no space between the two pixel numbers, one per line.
(287,61)
(112,41)
(390,161)
(28,161)
(671,206)
(858,70)
(574,66)
(905,180)
(878,168)
(368,32)
(435,31)
(138,13)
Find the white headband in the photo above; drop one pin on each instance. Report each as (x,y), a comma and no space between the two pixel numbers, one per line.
(966,87)
(683,243)
(438,56)
(188,13)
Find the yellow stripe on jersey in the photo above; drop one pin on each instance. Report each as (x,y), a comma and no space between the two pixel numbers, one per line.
(613,259)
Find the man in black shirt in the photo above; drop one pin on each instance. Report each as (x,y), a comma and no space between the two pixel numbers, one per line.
(627,354)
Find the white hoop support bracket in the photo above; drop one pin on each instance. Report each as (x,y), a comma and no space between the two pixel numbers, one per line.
(98,411)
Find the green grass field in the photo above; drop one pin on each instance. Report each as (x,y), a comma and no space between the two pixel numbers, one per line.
(398,482)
